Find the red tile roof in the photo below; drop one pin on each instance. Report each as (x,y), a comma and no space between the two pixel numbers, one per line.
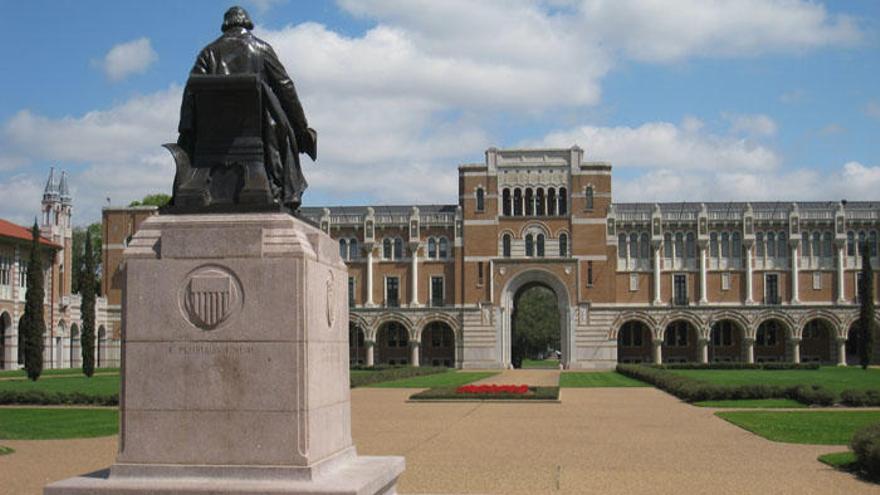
(14,231)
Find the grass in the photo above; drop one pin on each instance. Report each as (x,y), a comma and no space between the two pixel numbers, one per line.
(43,424)
(845,461)
(598,379)
(55,372)
(448,393)
(102,385)
(362,377)
(551,363)
(753,403)
(834,378)
(4,450)
(448,379)
(810,427)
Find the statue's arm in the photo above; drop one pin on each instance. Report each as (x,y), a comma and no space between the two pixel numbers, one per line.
(283,86)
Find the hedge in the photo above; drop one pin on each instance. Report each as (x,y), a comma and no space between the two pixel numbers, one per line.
(737,366)
(449,393)
(860,398)
(380,374)
(41,397)
(692,390)
(866,445)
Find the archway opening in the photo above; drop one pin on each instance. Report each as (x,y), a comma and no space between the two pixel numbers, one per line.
(680,342)
(634,343)
(75,350)
(854,345)
(817,342)
(725,343)
(357,350)
(5,329)
(438,345)
(392,344)
(535,329)
(770,342)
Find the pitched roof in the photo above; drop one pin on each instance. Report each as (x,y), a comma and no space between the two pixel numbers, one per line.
(14,231)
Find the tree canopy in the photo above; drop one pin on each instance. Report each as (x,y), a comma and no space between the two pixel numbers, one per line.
(79,236)
(535,324)
(158,199)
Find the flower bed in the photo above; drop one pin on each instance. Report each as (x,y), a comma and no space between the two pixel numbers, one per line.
(490,392)
(492,389)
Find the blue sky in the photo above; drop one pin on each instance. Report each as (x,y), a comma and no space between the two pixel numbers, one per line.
(688,99)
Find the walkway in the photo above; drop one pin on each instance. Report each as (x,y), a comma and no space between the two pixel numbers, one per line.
(614,441)
(531,377)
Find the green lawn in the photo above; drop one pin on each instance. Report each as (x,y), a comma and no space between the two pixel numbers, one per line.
(835,379)
(97,385)
(540,364)
(447,379)
(60,371)
(840,460)
(811,427)
(578,379)
(42,424)
(753,403)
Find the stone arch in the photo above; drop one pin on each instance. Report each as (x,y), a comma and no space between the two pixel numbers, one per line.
(393,340)
(424,321)
(788,323)
(769,346)
(740,319)
(683,345)
(674,316)
(5,330)
(629,316)
(359,321)
(829,317)
(534,225)
(386,318)
(634,346)
(727,343)
(509,293)
(819,337)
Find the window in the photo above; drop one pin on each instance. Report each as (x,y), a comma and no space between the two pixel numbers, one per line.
(480,273)
(22,273)
(806,247)
(505,202)
(563,245)
(771,288)
(551,201)
(722,334)
(437,291)
(631,334)
(633,282)
(392,292)
(691,246)
(481,199)
(725,245)
(398,248)
(432,248)
(530,245)
(505,245)
(540,202)
(530,202)
(5,270)
(343,249)
(679,282)
(644,246)
(353,252)
(861,245)
(517,202)
(817,280)
(781,247)
(850,243)
(633,245)
(759,244)
(589,274)
(813,330)
(771,245)
(713,244)
(563,201)
(589,197)
(767,335)
(351,289)
(443,248)
(679,246)
(737,245)
(540,245)
(621,246)
(725,280)
(676,334)
(386,248)
(396,335)
(667,245)
(872,242)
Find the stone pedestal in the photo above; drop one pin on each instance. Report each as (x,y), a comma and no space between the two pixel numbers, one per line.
(235,364)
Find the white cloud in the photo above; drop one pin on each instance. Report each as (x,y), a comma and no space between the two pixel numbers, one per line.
(662,145)
(872,109)
(263,6)
(755,125)
(21,198)
(126,59)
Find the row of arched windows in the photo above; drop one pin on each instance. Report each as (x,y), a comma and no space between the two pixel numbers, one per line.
(771,244)
(853,247)
(534,201)
(817,244)
(438,248)
(534,245)
(634,246)
(725,244)
(348,249)
(392,248)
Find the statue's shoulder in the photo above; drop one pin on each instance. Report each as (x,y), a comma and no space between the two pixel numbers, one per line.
(260,44)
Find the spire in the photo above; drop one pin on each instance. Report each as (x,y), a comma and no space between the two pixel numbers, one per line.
(51,191)
(63,189)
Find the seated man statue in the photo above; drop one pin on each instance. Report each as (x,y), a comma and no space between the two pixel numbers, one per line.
(219,169)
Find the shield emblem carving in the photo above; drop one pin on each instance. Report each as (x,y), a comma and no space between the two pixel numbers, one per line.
(209,297)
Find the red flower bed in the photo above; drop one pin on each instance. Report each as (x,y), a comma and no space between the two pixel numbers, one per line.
(492,389)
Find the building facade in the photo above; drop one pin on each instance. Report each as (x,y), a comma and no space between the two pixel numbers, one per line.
(634,282)
(62,345)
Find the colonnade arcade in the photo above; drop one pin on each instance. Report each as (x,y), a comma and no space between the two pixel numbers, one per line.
(393,339)
(729,336)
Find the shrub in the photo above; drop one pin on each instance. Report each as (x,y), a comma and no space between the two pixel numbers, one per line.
(380,374)
(860,398)
(450,393)
(738,366)
(866,445)
(41,397)
(812,395)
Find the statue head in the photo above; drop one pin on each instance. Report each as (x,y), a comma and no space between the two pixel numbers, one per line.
(236,17)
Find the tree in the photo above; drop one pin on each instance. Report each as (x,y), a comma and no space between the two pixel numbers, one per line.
(33,324)
(158,199)
(93,232)
(866,310)
(87,309)
(535,323)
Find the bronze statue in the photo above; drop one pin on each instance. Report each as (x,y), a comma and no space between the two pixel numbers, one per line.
(242,128)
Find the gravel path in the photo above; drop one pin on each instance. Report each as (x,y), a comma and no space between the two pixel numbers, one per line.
(632,440)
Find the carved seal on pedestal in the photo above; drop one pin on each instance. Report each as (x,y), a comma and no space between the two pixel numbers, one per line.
(209,296)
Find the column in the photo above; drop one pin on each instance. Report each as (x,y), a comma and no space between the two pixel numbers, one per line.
(795,350)
(370,355)
(414,301)
(658,351)
(750,350)
(841,257)
(704,350)
(749,299)
(657,300)
(795,298)
(370,302)
(414,352)
(841,351)
(703,293)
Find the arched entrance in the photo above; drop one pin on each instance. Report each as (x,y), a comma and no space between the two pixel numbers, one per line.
(75,353)
(357,350)
(392,344)
(680,342)
(726,342)
(854,345)
(509,295)
(634,342)
(770,341)
(5,329)
(817,342)
(438,345)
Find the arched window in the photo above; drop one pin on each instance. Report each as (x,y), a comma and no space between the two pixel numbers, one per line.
(645,246)
(872,241)
(540,202)
(759,244)
(517,202)
(817,244)
(444,248)
(481,199)
(589,197)
(505,195)
(432,248)
(725,244)
(737,245)
(621,246)
(861,245)
(563,245)
(633,245)
(530,202)
(771,245)
(713,244)
(781,247)
(541,245)
(691,246)
(398,248)
(667,245)
(563,201)
(386,248)
(343,248)
(551,201)
(805,245)
(505,245)
(353,252)
(679,245)
(850,243)
(530,245)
